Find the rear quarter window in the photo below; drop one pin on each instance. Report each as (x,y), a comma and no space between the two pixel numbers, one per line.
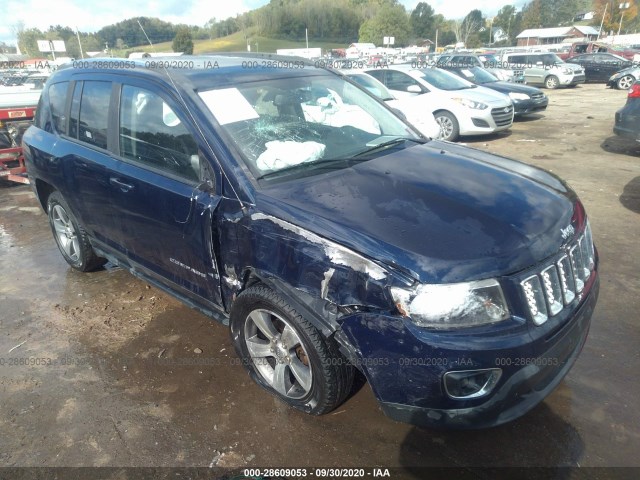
(57,107)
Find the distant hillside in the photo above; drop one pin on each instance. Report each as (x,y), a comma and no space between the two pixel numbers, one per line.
(237,43)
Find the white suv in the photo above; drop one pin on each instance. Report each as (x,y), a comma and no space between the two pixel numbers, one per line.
(546,69)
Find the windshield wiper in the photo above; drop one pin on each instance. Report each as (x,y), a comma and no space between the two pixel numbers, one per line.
(326,163)
(387,144)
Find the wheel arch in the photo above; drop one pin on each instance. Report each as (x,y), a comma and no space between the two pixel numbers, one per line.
(43,191)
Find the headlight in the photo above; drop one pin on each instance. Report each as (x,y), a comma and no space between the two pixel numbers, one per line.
(519,96)
(453,305)
(470,103)
(567,71)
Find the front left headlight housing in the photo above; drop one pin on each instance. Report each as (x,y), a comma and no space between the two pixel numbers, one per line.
(453,305)
(471,103)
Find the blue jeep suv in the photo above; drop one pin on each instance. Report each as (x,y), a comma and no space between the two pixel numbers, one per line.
(288,203)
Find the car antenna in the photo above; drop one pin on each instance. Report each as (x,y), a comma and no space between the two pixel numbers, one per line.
(195,123)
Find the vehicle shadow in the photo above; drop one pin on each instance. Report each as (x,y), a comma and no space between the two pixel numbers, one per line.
(630,197)
(621,145)
(473,139)
(532,117)
(539,445)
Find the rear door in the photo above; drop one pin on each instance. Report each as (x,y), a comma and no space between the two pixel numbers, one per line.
(88,161)
(166,193)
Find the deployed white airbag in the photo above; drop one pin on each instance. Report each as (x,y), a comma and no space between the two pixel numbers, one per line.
(281,154)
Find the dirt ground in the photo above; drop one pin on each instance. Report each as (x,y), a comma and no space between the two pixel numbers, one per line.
(101,369)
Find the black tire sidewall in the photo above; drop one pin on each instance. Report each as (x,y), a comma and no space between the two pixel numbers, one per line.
(456,126)
(620,82)
(253,300)
(83,257)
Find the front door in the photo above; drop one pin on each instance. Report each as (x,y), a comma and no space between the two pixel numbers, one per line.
(165,195)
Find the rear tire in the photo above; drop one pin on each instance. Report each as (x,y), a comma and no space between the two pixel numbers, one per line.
(285,354)
(449,127)
(71,238)
(551,82)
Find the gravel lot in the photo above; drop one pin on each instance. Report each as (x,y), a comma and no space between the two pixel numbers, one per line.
(127,376)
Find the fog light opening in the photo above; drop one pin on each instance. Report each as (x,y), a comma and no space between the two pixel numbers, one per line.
(467,384)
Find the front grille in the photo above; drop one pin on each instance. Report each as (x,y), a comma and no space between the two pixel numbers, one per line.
(537,96)
(555,285)
(503,116)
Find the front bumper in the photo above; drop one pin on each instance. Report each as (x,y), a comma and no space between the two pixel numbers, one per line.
(525,107)
(485,122)
(406,372)
(627,125)
(574,80)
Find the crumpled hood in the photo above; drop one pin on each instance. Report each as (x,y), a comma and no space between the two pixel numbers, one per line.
(440,211)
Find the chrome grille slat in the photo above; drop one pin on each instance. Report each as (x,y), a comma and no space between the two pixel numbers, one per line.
(554,286)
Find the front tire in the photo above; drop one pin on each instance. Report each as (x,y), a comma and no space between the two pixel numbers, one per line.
(551,82)
(626,82)
(71,238)
(286,354)
(449,127)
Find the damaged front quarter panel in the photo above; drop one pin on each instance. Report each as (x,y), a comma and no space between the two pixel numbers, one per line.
(328,276)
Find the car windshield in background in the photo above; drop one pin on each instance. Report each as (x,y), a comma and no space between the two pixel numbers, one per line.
(372,86)
(549,59)
(478,75)
(304,124)
(444,80)
(489,60)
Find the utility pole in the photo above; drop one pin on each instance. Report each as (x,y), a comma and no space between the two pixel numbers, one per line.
(79,43)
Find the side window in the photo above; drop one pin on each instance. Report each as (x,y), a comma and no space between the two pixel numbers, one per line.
(75,110)
(152,134)
(94,113)
(58,103)
(378,75)
(517,59)
(399,81)
(42,113)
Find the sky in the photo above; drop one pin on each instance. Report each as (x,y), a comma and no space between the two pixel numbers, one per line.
(91,16)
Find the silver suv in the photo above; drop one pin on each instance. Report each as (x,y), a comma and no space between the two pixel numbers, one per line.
(544,68)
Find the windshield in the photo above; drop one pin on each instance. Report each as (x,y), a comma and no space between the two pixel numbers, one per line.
(477,75)
(444,80)
(372,85)
(304,124)
(548,59)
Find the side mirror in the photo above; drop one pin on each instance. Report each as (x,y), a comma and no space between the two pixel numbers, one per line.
(414,89)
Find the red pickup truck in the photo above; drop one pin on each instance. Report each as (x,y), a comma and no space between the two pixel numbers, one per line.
(578,48)
(17,110)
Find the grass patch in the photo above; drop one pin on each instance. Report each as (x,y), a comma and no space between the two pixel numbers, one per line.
(237,43)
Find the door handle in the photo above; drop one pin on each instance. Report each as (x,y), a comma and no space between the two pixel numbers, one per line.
(125,187)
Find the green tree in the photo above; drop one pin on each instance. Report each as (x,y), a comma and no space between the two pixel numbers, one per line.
(28,41)
(183,41)
(422,20)
(390,21)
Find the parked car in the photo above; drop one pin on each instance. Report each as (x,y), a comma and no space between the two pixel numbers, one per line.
(525,99)
(598,67)
(490,62)
(545,69)
(467,108)
(628,117)
(624,79)
(328,235)
(419,113)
